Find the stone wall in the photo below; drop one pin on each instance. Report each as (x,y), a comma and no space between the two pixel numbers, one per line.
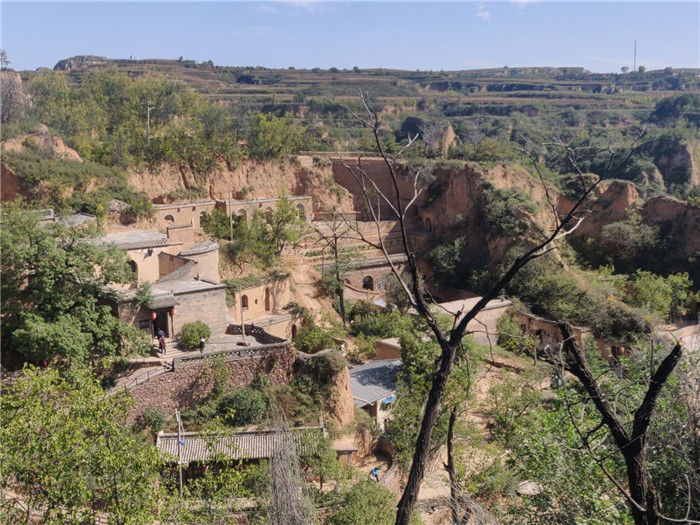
(188,384)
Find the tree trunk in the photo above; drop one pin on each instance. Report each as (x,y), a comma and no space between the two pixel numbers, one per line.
(641,488)
(454,489)
(341,301)
(420,456)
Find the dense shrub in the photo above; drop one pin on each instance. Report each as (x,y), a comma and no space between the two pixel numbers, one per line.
(191,334)
(242,406)
(153,418)
(378,324)
(312,338)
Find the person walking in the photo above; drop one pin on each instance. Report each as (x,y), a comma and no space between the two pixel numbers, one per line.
(161,344)
(202,343)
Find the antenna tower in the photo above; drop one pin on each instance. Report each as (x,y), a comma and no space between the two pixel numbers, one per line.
(635,56)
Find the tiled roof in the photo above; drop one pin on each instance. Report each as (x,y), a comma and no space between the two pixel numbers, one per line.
(135,239)
(162,301)
(374,381)
(241,445)
(203,247)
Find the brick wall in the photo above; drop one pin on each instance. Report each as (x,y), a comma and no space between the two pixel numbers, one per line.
(376,170)
(187,384)
(208,307)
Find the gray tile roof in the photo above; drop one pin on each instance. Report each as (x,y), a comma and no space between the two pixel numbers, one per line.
(203,247)
(134,239)
(241,445)
(181,286)
(162,301)
(374,381)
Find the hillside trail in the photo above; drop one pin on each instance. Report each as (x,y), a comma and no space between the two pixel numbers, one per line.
(434,496)
(303,281)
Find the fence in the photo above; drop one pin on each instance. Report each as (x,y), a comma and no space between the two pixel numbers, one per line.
(260,335)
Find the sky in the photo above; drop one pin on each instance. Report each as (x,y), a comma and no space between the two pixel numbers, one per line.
(597,35)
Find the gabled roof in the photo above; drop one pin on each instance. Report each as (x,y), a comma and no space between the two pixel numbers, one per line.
(162,301)
(261,444)
(374,381)
(135,239)
(203,247)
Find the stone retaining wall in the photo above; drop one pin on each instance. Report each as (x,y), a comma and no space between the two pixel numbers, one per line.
(185,385)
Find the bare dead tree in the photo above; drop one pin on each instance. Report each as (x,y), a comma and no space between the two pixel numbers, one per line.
(290,504)
(331,230)
(449,341)
(631,442)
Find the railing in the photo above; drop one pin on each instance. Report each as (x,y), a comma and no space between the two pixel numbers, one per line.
(231,353)
(143,378)
(260,335)
(339,153)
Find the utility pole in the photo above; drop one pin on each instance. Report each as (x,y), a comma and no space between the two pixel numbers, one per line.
(230,213)
(180,444)
(635,56)
(148,121)
(240,300)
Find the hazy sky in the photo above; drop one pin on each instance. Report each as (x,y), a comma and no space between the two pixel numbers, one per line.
(417,35)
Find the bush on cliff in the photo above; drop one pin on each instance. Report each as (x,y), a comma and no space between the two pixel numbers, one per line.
(243,406)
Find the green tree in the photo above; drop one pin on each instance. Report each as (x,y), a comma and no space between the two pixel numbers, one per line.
(270,232)
(270,137)
(318,458)
(366,502)
(67,450)
(192,333)
(211,498)
(243,406)
(623,242)
(218,225)
(667,296)
(53,280)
